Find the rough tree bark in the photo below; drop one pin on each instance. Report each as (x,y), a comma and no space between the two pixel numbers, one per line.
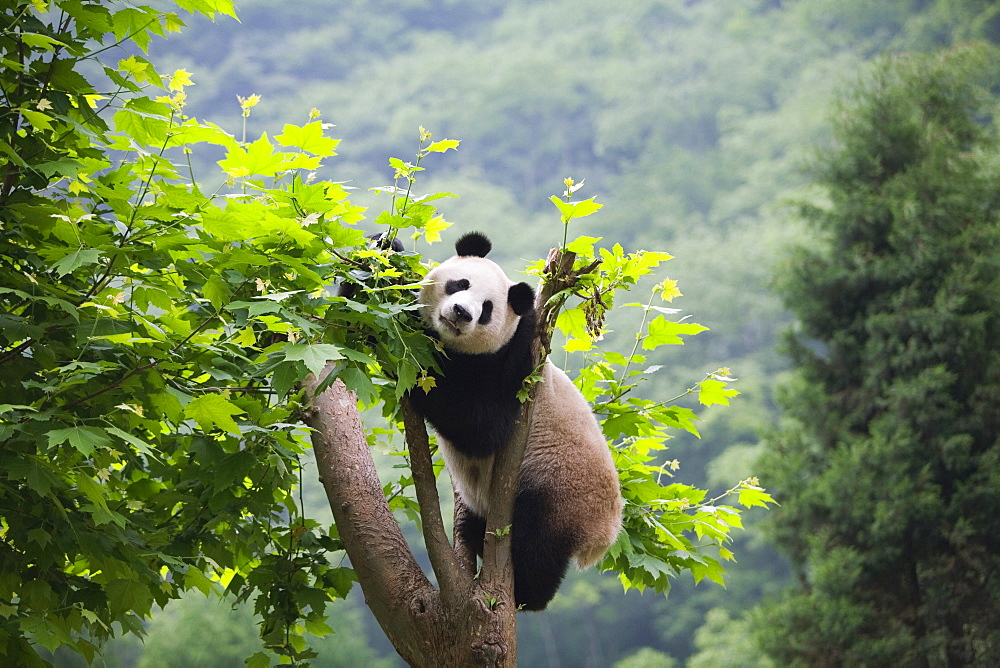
(468,621)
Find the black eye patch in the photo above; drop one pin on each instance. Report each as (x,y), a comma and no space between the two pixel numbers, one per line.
(451,287)
(484,317)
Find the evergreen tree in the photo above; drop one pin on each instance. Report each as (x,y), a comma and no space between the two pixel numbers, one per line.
(888,463)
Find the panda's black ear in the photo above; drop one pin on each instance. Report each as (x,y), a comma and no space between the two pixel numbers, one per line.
(521,298)
(382,242)
(473,243)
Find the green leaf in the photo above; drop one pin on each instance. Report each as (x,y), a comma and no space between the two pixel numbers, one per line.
(583,245)
(192,132)
(710,569)
(713,391)
(257,158)
(139,69)
(318,627)
(38,41)
(95,494)
(40,537)
(195,579)
(46,631)
(679,418)
(234,468)
(134,441)
(6,408)
(285,377)
(586,207)
(434,227)
(38,120)
(578,345)
(360,383)
(442,146)
(259,660)
(36,475)
(407,377)
(208,7)
(575,209)
(85,439)
(142,128)
(666,332)
(751,496)
(128,594)
(572,322)
(308,137)
(225,226)
(565,208)
(210,410)
(74,260)
(217,291)
(315,355)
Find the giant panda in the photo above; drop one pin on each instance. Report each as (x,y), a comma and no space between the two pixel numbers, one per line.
(568,502)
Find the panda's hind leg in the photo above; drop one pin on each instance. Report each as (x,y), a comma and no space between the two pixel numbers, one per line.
(471,530)
(540,554)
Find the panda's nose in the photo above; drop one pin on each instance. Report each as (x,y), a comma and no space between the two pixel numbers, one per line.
(462,314)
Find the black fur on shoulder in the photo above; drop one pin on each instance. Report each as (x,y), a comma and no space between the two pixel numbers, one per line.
(473,244)
(474,403)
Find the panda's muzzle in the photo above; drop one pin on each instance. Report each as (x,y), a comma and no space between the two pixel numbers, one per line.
(459,316)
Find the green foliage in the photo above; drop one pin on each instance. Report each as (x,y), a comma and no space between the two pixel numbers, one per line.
(153,336)
(887,465)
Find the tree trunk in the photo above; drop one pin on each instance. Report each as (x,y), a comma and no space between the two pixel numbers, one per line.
(428,627)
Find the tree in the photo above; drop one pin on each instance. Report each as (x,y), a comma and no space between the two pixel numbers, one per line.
(141,320)
(887,462)
(161,348)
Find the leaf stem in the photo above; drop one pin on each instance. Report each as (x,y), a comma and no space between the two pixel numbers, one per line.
(635,347)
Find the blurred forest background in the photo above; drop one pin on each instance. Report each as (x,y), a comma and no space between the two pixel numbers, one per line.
(690,120)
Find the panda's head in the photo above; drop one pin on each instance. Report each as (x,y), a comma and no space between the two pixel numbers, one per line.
(470,303)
